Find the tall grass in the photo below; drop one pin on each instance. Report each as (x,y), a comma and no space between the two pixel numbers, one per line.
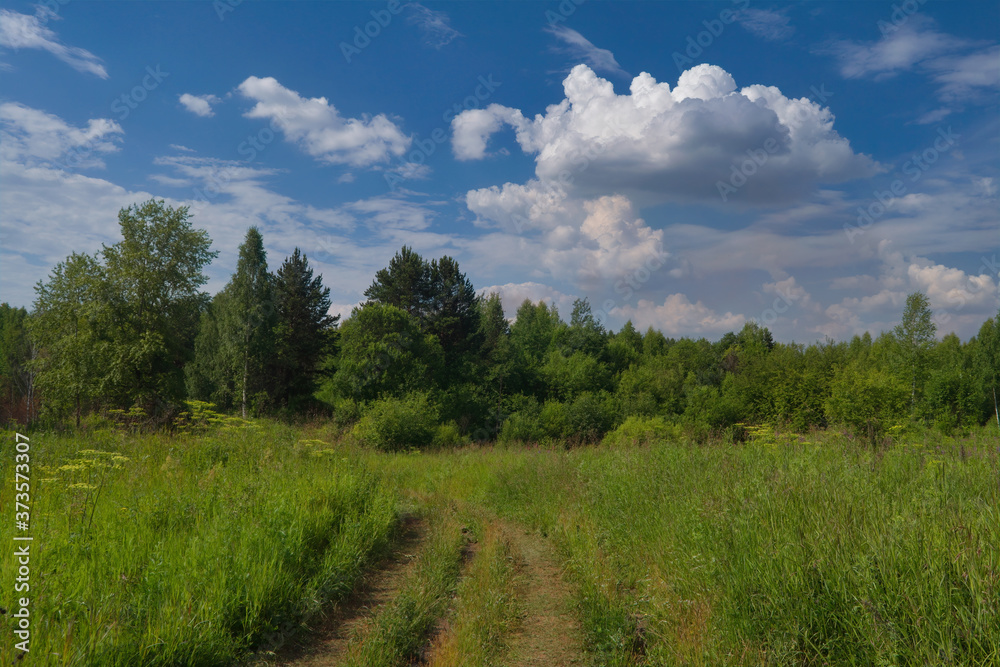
(400,628)
(195,550)
(782,551)
(486,610)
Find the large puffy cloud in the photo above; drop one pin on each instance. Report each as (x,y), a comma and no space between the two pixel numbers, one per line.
(22,31)
(677,316)
(34,136)
(660,143)
(319,129)
(593,245)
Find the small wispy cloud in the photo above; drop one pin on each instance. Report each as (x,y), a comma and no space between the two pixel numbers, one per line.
(22,31)
(772,25)
(435,26)
(200,105)
(898,50)
(582,49)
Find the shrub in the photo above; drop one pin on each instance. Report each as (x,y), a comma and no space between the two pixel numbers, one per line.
(447,435)
(589,416)
(638,430)
(523,422)
(392,424)
(553,420)
(870,401)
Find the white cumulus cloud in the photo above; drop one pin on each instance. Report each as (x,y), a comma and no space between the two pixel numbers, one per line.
(317,127)
(200,105)
(677,316)
(660,143)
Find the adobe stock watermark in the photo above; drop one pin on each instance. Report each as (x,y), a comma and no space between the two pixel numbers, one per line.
(363,35)
(697,43)
(123,106)
(915,168)
(580,160)
(130,101)
(49,9)
(741,171)
(425,148)
(783,301)
(901,13)
(249,148)
(565,9)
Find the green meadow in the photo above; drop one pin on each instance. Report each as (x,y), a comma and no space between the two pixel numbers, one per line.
(224,545)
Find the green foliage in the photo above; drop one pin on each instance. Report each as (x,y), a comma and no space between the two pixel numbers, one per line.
(533,331)
(553,420)
(392,424)
(915,337)
(868,400)
(523,420)
(648,388)
(568,376)
(590,416)
(447,435)
(17,377)
(384,353)
(303,332)
(151,294)
(440,298)
(638,430)
(70,328)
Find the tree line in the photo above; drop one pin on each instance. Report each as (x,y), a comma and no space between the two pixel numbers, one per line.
(426,359)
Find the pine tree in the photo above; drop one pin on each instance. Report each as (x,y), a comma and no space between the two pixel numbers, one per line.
(405,283)
(304,329)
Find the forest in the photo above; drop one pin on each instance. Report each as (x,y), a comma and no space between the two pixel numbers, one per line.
(128,335)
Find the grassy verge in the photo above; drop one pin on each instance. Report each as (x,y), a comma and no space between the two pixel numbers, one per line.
(156,550)
(486,610)
(400,629)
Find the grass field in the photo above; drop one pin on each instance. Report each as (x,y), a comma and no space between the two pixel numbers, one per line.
(224,547)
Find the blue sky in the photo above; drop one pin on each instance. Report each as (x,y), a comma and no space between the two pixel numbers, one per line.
(686,165)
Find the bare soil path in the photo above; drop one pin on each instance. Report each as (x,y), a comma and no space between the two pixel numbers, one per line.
(550,633)
(326,644)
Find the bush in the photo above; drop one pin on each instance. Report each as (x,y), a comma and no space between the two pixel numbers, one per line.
(392,424)
(642,431)
(870,401)
(589,416)
(522,423)
(553,420)
(345,411)
(447,435)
